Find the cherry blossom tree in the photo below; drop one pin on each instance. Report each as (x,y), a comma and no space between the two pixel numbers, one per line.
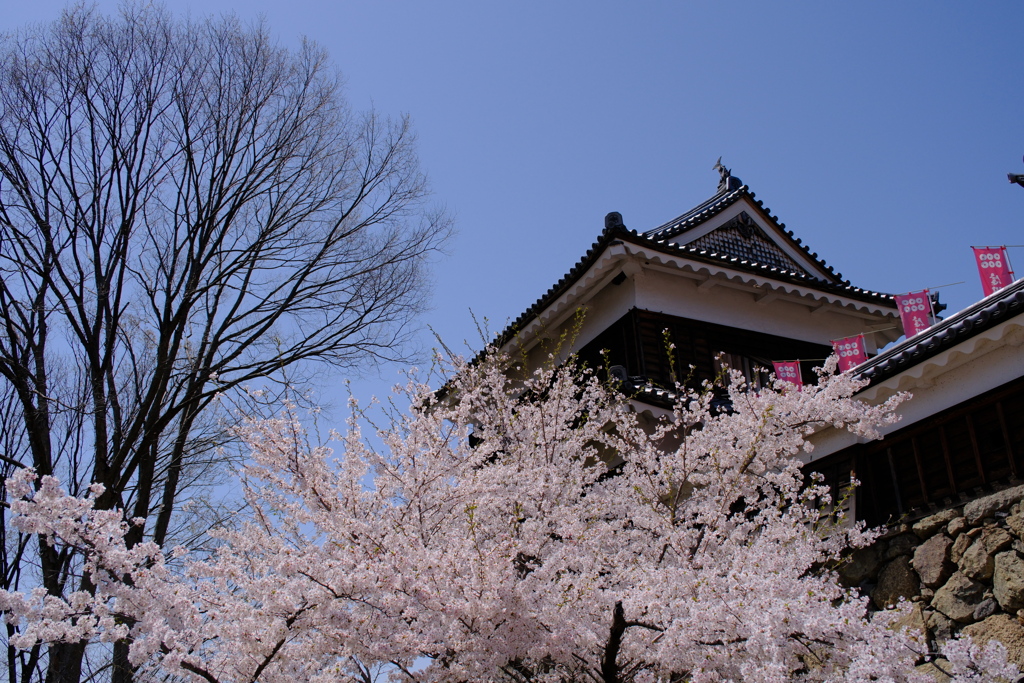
(187,207)
(530,529)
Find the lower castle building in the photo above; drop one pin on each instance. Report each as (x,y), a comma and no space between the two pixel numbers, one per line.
(727,283)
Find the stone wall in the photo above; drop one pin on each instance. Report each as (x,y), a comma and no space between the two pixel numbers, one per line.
(962,568)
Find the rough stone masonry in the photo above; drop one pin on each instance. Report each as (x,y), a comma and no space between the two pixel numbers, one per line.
(962,569)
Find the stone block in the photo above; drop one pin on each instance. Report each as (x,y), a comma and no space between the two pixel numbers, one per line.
(956,527)
(914,622)
(1003,628)
(860,566)
(896,580)
(985,609)
(1015,523)
(903,544)
(931,560)
(977,510)
(1008,581)
(939,625)
(960,546)
(936,671)
(928,526)
(959,597)
(978,561)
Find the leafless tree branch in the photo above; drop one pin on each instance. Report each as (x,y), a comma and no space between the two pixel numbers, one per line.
(186,207)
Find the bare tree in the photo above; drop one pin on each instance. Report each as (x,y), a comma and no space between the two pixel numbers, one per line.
(185,207)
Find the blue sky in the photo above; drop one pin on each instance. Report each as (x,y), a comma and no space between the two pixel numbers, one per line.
(881,133)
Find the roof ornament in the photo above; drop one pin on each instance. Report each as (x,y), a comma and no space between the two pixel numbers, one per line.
(727,182)
(613,220)
(1017,178)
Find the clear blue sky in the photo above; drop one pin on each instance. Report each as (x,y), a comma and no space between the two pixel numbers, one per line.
(881,133)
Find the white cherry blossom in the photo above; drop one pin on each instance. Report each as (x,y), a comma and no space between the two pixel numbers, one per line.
(527,529)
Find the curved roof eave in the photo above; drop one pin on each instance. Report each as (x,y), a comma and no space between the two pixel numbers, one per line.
(787,281)
(611,234)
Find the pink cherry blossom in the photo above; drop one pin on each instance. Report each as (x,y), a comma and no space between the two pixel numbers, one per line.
(530,529)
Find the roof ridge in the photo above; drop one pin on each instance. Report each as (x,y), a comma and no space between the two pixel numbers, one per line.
(701,208)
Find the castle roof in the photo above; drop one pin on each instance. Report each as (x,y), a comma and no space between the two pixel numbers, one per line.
(761,247)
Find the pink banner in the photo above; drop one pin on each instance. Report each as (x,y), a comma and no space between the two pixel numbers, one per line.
(789,371)
(851,351)
(994,268)
(915,312)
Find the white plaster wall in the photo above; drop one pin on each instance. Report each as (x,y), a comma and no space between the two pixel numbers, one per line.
(725,305)
(599,310)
